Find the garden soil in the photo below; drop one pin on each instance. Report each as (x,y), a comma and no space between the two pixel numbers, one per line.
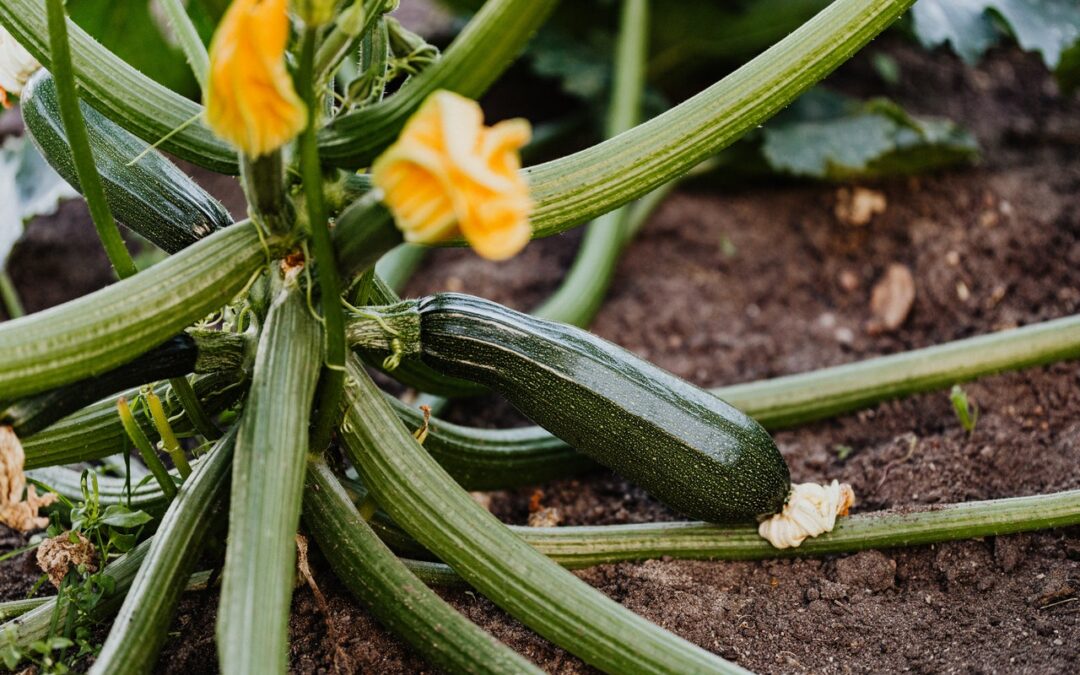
(730,285)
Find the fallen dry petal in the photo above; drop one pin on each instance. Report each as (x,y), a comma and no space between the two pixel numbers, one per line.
(15,512)
(891,299)
(56,556)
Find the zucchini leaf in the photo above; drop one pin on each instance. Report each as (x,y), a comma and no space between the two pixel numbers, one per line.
(832,137)
(1049,27)
(28,187)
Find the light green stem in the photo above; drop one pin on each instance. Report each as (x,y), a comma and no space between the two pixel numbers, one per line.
(104,329)
(75,128)
(10,296)
(582,292)
(391,592)
(268,476)
(189,39)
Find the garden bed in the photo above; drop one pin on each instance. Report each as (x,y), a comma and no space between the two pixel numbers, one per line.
(726,286)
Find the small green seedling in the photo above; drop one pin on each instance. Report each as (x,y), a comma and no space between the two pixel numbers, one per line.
(967,411)
(843,451)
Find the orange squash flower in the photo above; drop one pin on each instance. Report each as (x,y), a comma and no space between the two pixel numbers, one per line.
(448,174)
(250,97)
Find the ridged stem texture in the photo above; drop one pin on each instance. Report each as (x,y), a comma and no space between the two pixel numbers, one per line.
(333,374)
(141,626)
(399,600)
(188,37)
(75,127)
(104,329)
(421,497)
(268,476)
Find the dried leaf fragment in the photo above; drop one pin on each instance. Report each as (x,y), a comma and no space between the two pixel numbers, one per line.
(15,512)
(891,299)
(56,556)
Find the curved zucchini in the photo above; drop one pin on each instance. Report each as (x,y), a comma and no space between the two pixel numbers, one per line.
(688,448)
(151,196)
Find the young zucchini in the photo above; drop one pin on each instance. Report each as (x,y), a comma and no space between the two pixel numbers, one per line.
(151,196)
(688,448)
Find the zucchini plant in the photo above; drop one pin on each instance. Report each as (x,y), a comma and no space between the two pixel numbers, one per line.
(249,346)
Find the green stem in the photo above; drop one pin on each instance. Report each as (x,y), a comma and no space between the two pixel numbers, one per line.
(263,179)
(185,393)
(10,296)
(582,291)
(111,326)
(479,54)
(14,608)
(584,546)
(268,477)
(146,450)
(141,626)
(95,432)
(446,520)
(399,600)
(795,399)
(189,39)
(168,438)
(75,127)
(351,24)
(333,374)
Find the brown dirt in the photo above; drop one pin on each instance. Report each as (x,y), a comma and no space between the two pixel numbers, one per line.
(765,281)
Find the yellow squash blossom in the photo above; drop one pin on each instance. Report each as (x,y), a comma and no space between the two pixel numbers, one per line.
(449,174)
(250,97)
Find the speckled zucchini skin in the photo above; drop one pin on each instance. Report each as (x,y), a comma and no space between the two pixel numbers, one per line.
(152,196)
(691,450)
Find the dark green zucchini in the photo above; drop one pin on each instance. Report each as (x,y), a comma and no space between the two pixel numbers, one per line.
(688,448)
(152,196)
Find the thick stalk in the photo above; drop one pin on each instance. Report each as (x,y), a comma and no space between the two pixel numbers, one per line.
(191,351)
(483,50)
(142,106)
(188,37)
(584,546)
(95,432)
(444,518)
(268,477)
(399,600)
(111,326)
(582,291)
(142,624)
(75,128)
(333,373)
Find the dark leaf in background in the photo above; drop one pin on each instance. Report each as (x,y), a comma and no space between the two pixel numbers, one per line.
(970,27)
(140,36)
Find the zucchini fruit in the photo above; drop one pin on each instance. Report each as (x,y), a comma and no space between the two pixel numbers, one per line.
(686,447)
(152,196)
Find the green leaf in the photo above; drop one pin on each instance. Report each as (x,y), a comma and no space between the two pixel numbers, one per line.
(1050,27)
(28,187)
(118,515)
(132,32)
(824,135)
